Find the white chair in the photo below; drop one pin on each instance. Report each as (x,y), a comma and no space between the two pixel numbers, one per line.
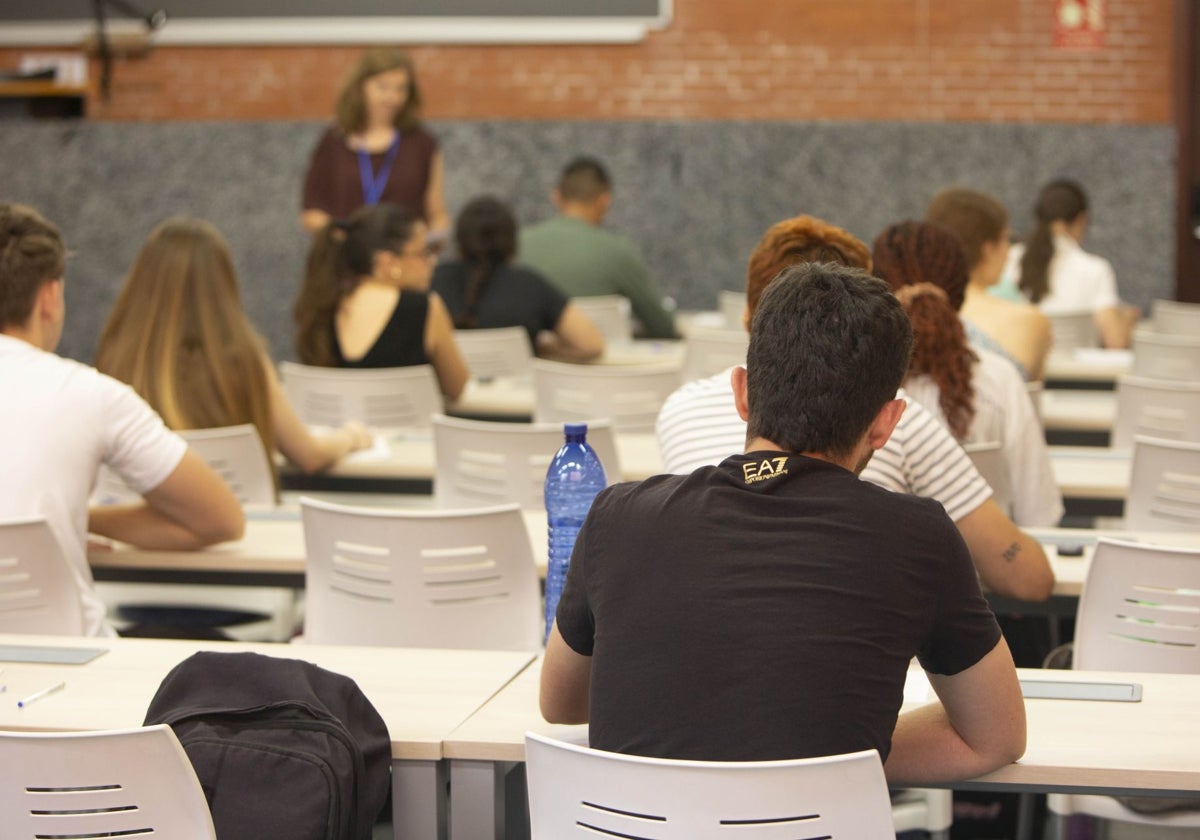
(1073,330)
(611,313)
(120,783)
(1164,488)
(579,792)
(1174,317)
(1158,356)
(1156,408)
(1139,611)
(482,463)
(709,351)
(989,459)
(420,578)
(39,591)
(381,397)
(495,353)
(629,395)
(732,306)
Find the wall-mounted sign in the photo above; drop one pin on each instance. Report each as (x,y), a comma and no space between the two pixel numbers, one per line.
(1079,24)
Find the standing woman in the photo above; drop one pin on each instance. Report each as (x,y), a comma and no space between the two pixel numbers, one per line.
(366,301)
(484,290)
(1053,271)
(976,393)
(377,150)
(178,336)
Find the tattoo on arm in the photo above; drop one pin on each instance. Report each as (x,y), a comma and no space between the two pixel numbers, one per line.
(1011,552)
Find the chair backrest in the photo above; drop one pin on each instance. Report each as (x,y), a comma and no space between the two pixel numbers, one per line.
(234,452)
(1159,356)
(481,463)
(1164,487)
(1174,317)
(710,351)
(495,353)
(1140,610)
(380,397)
(732,305)
(989,459)
(120,783)
(1157,408)
(39,591)
(628,395)
(578,792)
(608,312)
(1072,330)
(420,578)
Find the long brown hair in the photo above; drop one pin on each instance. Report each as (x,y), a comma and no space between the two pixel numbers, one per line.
(351,104)
(486,235)
(927,268)
(177,334)
(1059,201)
(341,255)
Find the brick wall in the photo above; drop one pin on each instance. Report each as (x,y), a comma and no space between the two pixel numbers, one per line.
(957,60)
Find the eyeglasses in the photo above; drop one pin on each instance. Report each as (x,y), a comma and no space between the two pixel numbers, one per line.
(426,252)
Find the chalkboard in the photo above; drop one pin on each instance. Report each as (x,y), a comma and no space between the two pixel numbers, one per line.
(309,21)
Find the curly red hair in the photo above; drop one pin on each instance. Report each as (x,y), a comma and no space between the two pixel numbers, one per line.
(927,255)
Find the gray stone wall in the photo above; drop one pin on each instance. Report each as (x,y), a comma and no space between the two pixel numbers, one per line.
(695,196)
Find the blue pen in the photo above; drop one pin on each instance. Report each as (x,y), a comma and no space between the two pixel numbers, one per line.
(38,695)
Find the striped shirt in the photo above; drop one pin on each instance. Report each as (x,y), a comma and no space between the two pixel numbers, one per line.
(699,425)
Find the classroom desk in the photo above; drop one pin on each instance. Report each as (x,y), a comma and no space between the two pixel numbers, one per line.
(1094,480)
(1087,369)
(1075,417)
(422,695)
(1067,748)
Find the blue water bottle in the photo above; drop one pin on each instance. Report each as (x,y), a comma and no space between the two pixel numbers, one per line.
(572,482)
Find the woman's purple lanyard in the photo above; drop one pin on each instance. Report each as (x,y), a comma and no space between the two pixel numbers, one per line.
(373,183)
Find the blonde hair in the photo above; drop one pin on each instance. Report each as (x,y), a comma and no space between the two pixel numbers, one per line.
(178,336)
(352,105)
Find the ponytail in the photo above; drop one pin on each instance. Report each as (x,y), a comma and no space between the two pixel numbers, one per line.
(486,233)
(927,269)
(1062,200)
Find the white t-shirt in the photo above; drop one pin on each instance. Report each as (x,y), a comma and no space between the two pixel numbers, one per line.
(699,425)
(1078,281)
(1004,414)
(61,420)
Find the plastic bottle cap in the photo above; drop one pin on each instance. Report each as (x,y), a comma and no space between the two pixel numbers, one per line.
(575,430)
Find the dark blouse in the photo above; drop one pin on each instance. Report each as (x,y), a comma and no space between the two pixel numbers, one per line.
(401,343)
(516,296)
(333,183)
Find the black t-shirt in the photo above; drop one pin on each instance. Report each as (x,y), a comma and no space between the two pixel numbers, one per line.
(401,342)
(766,608)
(515,297)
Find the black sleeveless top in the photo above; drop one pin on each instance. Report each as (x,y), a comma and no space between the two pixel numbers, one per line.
(402,341)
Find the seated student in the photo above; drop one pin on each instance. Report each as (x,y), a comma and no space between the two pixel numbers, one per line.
(583,259)
(366,301)
(179,337)
(769,607)
(699,425)
(1016,330)
(484,290)
(1054,272)
(62,420)
(977,394)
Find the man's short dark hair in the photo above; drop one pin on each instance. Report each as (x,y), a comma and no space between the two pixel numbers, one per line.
(31,254)
(584,179)
(829,346)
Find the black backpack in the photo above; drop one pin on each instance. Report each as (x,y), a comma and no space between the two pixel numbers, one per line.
(282,748)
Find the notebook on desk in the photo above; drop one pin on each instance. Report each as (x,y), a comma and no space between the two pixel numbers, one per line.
(44,655)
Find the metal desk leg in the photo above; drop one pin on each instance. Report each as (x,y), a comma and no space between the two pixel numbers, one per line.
(477,799)
(418,800)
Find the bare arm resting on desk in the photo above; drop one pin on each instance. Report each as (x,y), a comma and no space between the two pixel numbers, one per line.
(191,508)
(1010,562)
(566,682)
(978,726)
